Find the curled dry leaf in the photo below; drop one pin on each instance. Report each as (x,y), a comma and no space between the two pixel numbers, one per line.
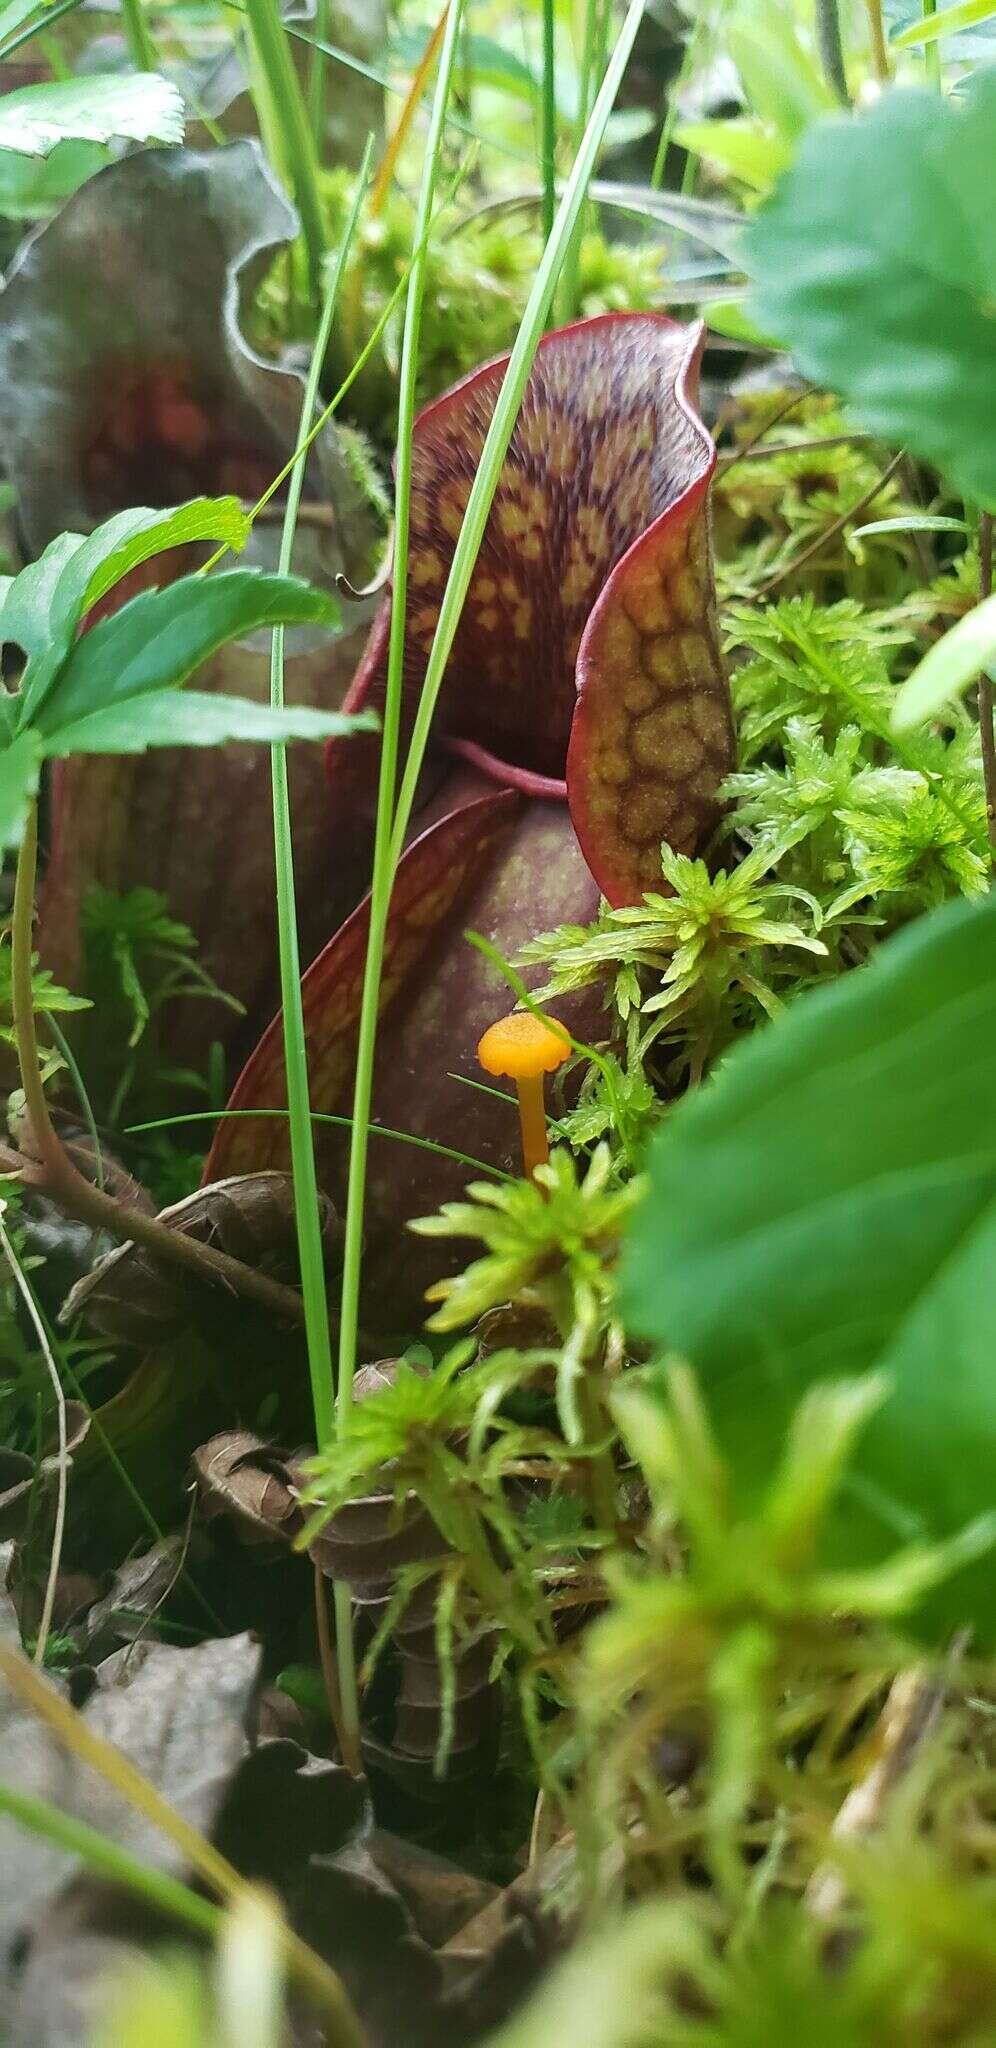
(248,1482)
(584,717)
(129,1298)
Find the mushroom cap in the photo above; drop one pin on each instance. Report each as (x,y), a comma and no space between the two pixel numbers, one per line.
(521,1046)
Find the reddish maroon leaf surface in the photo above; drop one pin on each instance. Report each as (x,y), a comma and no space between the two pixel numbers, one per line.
(585,672)
(125,379)
(496,865)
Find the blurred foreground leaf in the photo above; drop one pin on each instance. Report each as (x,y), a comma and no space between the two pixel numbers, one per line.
(827,1204)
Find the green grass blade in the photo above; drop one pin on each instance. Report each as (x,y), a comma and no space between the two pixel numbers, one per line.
(384,861)
(390,840)
(549,132)
(295,1051)
(290,115)
(106,1860)
(307,1216)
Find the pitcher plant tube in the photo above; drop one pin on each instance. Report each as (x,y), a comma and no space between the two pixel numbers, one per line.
(584,720)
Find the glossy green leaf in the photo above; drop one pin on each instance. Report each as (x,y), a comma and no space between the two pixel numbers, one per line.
(33,186)
(740,147)
(827,1204)
(948,668)
(138,105)
(136,536)
(875,261)
(157,640)
(782,80)
(27,608)
(947,23)
(50,597)
(20,763)
(196,718)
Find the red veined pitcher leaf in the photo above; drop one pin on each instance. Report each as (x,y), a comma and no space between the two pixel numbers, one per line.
(434,877)
(653,732)
(125,378)
(508,866)
(196,824)
(607,444)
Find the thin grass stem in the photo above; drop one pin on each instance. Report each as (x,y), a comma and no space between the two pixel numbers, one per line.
(879,47)
(306,1208)
(548,148)
(106,1860)
(55,1560)
(390,837)
(294,137)
(305,1177)
(342,1123)
(384,862)
(141,47)
(932,50)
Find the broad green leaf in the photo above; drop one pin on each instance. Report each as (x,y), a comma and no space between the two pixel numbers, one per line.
(826,1205)
(729,317)
(93,566)
(197,718)
(26,611)
(157,640)
(138,105)
(740,147)
(20,763)
(875,261)
(949,667)
(947,23)
(33,186)
(136,536)
(783,82)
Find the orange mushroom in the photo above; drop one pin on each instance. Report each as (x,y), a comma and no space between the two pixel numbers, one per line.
(522,1048)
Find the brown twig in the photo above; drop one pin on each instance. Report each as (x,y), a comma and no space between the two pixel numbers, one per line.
(63,1181)
(830,533)
(985,682)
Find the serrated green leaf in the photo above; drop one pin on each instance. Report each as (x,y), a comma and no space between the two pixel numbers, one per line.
(20,764)
(890,300)
(136,536)
(827,1205)
(26,612)
(196,718)
(159,639)
(138,105)
(77,576)
(949,667)
(947,23)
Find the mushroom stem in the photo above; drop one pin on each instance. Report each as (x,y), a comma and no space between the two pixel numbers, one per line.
(532,1123)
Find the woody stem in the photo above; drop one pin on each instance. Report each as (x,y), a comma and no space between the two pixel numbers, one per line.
(63,1181)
